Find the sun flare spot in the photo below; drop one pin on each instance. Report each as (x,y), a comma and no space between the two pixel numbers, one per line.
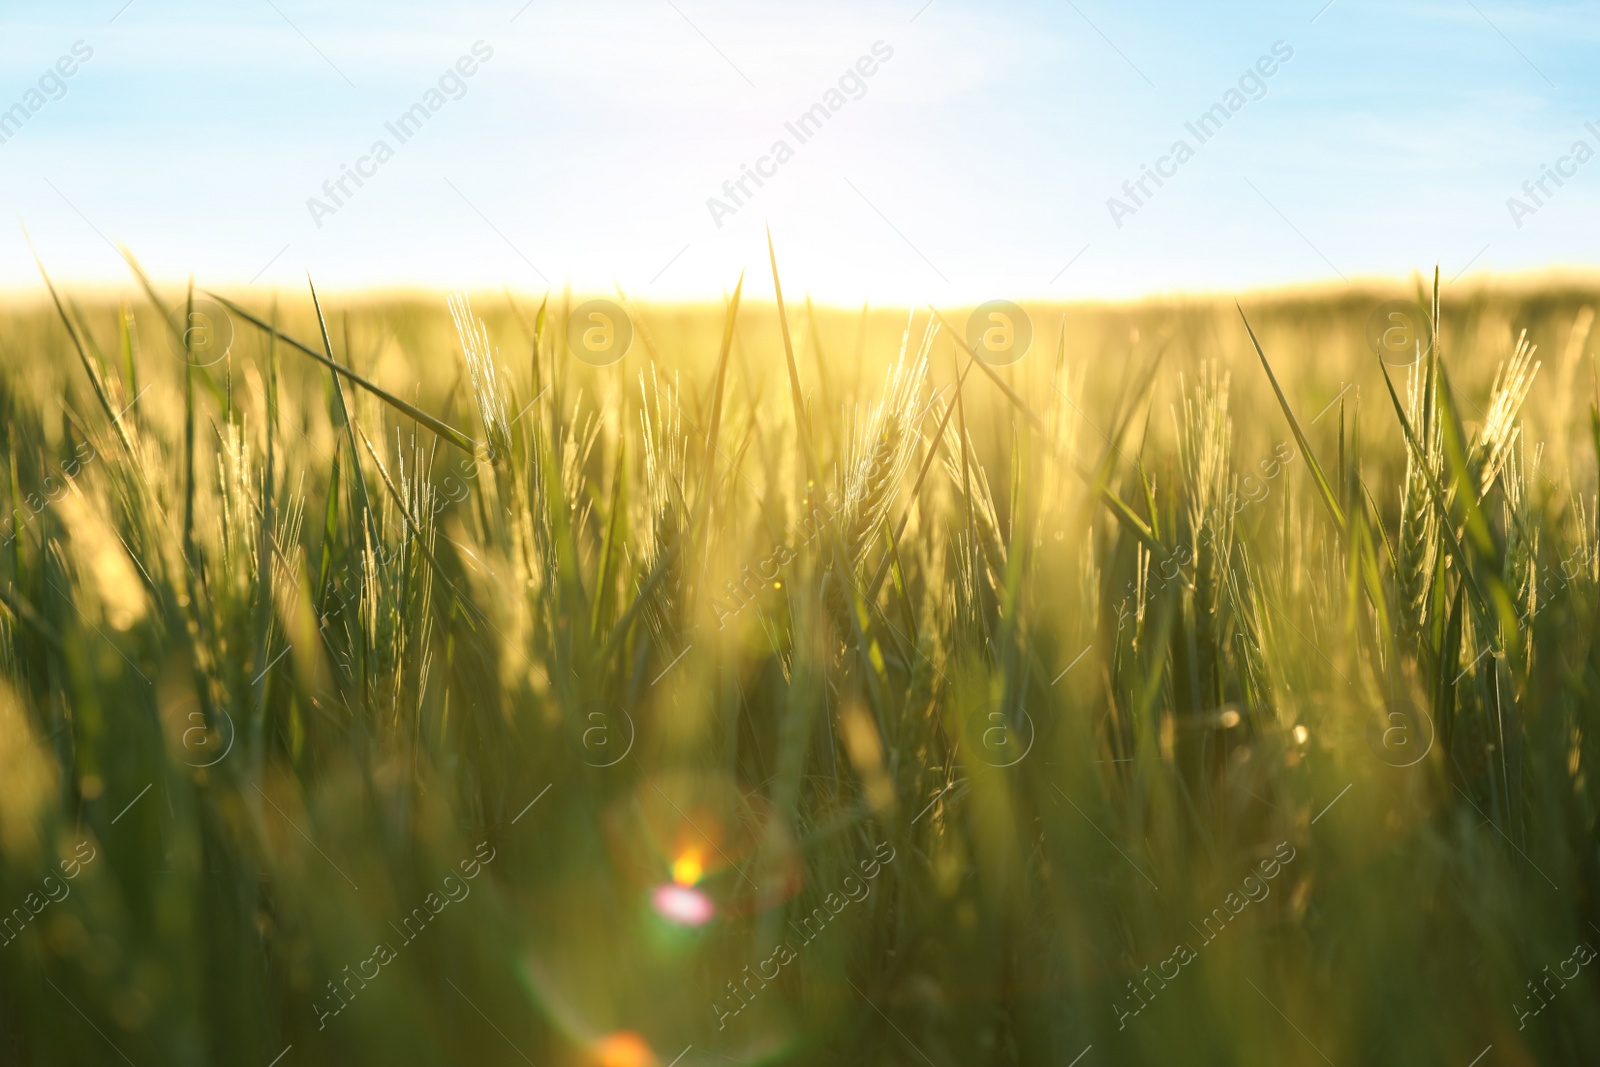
(682,904)
(623,1049)
(687,868)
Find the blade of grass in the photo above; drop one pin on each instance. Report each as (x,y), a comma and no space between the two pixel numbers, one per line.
(89,367)
(608,547)
(359,481)
(1446,520)
(444,430)
(413,525)
(994,376)
(802,422)
(1317,476)
(916,487)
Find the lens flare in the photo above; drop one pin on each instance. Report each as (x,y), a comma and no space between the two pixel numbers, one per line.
(687,868)
(686,831)
(683,905)
(623,1049)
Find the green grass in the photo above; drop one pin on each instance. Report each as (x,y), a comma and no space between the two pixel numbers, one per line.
(1195,702)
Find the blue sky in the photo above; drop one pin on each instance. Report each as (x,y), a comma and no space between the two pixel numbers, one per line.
(975,161)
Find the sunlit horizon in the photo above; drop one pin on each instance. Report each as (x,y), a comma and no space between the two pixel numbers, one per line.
(952,153)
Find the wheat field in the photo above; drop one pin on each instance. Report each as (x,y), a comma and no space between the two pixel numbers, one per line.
(384,683)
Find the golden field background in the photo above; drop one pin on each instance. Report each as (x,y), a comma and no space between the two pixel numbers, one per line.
(281,704)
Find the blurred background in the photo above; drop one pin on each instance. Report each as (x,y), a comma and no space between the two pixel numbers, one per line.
(684,678)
